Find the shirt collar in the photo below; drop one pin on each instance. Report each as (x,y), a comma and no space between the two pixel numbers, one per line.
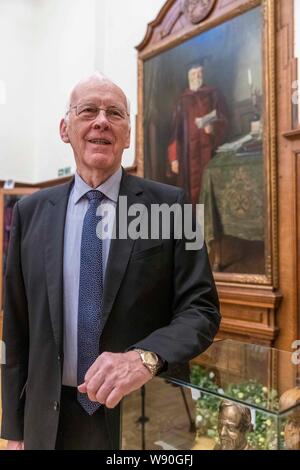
(110,187)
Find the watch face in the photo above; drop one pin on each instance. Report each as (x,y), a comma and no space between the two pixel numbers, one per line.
(150,358)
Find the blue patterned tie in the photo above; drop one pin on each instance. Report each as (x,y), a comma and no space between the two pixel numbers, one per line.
(90,297)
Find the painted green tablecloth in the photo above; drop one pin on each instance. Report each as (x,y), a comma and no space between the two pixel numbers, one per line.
(233,196)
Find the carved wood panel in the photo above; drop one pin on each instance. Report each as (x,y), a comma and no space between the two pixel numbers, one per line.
(172,22)
(297,212)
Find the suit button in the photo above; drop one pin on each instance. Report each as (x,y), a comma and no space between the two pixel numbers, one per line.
(56,406)
(58,358)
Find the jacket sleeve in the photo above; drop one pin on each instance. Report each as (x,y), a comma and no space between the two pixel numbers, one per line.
(196,317)
(15,337)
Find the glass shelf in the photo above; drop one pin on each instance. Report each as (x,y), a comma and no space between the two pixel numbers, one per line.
(233,370)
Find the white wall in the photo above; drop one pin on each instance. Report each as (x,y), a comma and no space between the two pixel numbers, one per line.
(65,44)
(125,27)
(46,46)
(16,108)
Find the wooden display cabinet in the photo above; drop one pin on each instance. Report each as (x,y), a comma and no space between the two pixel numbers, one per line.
(8,197)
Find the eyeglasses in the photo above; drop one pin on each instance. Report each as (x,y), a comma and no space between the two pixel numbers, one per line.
(89,112)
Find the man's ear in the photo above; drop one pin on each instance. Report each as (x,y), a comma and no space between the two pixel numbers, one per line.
(63,130)
(127,142)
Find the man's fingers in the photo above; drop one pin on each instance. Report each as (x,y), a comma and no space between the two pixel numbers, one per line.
(94,384)
(82,388)
(114,398)
(175,166)
(104,391)
(102,362)
(92,371)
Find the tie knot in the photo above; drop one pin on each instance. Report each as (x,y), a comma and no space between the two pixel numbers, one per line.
(96,196)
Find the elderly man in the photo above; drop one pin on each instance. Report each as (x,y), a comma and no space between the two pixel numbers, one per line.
(89,319)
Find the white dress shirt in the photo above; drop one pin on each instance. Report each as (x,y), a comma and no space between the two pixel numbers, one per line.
(77,207)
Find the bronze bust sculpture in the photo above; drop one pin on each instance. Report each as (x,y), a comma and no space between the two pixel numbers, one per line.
(234,423)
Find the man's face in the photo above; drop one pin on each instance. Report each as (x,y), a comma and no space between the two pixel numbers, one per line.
(98,144)
(195,76)
(230,434)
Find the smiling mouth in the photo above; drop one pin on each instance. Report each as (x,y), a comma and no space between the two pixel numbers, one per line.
(100,141)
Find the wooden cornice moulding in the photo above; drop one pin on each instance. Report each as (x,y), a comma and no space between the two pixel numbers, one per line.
(293,134)
(41,184)
(53,182)
(250,296)
(18,184)
(248,331)
(249,313)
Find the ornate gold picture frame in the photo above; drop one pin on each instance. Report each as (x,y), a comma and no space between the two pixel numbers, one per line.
(207,123)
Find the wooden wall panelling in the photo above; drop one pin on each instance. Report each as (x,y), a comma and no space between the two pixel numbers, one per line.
(288,143)
(297,212)
(249,313)
(7,192)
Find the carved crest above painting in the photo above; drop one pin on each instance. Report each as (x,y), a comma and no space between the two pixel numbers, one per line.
(197,10)
(181,16)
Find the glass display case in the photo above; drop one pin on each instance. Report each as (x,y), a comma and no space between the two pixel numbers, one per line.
(235,396)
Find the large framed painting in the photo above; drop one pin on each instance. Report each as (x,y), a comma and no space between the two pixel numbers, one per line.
(206,123)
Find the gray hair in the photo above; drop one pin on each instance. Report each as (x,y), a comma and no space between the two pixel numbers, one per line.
(99,76)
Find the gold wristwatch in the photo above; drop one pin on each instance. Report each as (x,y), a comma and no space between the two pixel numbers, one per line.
(150,360)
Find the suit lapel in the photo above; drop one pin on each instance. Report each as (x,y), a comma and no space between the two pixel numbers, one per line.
(54,226)
(120,249)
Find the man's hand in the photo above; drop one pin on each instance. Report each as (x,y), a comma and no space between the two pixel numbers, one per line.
(113,376)
(15,445)
(175,167)
(208,129)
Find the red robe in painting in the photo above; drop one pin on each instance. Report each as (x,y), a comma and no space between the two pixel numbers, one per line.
(192,147)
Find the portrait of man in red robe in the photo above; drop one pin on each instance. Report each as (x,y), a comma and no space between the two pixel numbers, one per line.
(199,126)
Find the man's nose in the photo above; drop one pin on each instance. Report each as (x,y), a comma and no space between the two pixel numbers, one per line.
(101,120)
(223,431)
